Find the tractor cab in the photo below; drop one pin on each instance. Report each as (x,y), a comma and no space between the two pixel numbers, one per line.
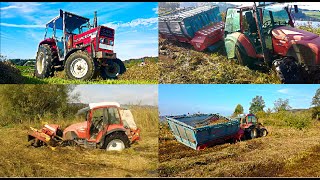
(252,128)
(61,29)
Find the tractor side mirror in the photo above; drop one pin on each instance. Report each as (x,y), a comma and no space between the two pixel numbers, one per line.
(296,9)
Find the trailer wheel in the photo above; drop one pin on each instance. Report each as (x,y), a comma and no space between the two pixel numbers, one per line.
(116,142)
(43,67)
(80,66)
(111,71)
(263,132)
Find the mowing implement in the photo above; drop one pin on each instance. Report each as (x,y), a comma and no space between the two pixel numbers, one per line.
(201,27)
(107,126)
(83,50)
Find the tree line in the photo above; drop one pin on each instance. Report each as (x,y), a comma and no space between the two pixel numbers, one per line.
(258,104)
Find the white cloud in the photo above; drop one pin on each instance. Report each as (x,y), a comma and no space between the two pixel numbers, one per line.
(155,10)
(134,23)
(283,91)
(22,7)
(22,25)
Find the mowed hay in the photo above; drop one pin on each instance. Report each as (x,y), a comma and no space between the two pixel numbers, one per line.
(285,152)
(18,159)
(9,74)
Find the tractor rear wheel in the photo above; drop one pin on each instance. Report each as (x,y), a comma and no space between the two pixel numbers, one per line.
(116,142)
(253,133)
(242,59)
(80,66)
(112,69)
(44,60)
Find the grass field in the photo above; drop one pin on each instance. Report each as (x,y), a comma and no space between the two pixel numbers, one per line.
(135,74)
(17,159)
(285,152)
(312,14)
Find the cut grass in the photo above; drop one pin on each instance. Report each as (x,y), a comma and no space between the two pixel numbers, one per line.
(17,159)
(280,154)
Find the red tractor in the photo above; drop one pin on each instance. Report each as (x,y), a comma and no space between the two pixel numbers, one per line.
(251,127)
(107,126)
(84,51)
(262,36)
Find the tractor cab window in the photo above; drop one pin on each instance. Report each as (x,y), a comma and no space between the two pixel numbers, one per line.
(232,21)
(252,119)
(276,16)
(97,122)
(113,115)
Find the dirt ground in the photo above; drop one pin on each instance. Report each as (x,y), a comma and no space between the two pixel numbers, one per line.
(285,152)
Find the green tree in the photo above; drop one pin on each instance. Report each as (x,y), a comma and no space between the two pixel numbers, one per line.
(316,105)
(238,110)
(19,103)
(257,104)
(281,105)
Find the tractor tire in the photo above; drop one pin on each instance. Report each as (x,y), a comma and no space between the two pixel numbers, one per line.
(122,66)
(253,133)
(112,70)
(80,66)
(288,70)
(43,66)
(242,59)
(263,132)
(116,141)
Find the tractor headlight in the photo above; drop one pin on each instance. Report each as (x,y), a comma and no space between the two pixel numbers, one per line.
(111,42)
(101,40)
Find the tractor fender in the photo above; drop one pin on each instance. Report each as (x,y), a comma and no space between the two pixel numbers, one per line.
(110,132)
(303,54)
(70,135)
(238,39)
(71,52)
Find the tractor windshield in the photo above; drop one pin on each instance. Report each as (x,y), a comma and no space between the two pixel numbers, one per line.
(275,16)
(72,22)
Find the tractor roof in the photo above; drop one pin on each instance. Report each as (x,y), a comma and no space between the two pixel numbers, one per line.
(72,21)
(93,105)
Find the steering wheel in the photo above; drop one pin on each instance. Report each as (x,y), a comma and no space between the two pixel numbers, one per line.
(267,24)
(98,122)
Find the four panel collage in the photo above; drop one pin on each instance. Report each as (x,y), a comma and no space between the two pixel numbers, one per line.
(160,89)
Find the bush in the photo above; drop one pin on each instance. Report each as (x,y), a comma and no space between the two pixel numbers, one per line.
(297,120)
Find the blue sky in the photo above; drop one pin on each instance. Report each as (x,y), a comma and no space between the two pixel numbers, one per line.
(222,98)
(22,25)
(124,94)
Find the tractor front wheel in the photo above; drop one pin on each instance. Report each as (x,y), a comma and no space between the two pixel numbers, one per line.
(112,69)
(263,132)
(80,66)
(288,70)
(116,142)
(43,67)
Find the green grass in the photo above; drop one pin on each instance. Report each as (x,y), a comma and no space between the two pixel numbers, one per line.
(60,78)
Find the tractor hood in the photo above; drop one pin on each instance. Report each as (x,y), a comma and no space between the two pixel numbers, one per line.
(292,36)
(289,33)
(78,128)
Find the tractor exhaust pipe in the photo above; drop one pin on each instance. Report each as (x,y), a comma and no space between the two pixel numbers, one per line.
(95,21)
